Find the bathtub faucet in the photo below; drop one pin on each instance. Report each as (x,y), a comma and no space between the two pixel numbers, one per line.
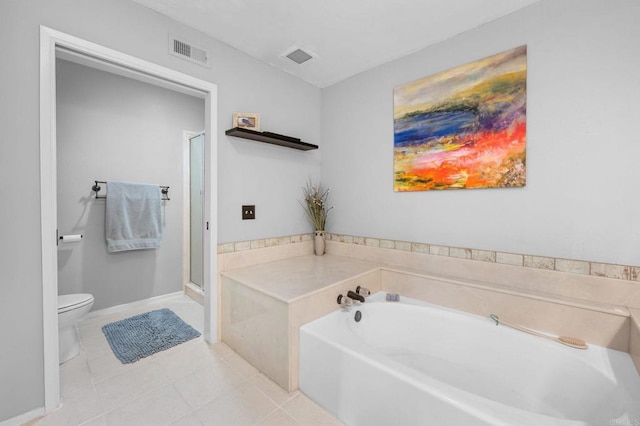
(355,296)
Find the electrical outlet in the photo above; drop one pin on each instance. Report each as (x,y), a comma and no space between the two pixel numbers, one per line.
(248,212)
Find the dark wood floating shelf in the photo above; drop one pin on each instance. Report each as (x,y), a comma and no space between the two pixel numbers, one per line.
(272,138)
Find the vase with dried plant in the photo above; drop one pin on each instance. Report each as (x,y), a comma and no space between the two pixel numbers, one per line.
(315,205)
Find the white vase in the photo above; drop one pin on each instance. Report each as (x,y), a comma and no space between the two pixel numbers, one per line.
(318,243)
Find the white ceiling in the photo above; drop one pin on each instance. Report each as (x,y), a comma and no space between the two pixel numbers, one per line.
(348,36)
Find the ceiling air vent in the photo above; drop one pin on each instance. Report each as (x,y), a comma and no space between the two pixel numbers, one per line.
(186,50)
(299,56)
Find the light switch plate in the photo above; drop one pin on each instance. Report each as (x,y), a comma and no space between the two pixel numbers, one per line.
(248,212)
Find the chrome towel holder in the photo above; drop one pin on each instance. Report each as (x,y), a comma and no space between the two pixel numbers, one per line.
(97,188)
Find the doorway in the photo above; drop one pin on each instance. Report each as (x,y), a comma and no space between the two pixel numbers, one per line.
(114,128)
(52,44)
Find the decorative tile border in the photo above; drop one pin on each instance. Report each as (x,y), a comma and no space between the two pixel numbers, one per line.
(620,272)
(266,242)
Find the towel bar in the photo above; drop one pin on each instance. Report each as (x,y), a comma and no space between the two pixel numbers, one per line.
(97,188)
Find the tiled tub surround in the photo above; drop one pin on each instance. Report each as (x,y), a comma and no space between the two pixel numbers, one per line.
(597,323)
(263,306)
(591,307)
(634,339)
(589,288)
(582,267)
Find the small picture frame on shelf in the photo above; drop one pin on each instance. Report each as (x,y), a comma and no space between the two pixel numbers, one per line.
(247,120)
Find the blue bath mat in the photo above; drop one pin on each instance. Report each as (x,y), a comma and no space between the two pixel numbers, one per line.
(137,337)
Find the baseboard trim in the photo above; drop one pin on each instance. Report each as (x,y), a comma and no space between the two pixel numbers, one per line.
(24,419)
(136,304)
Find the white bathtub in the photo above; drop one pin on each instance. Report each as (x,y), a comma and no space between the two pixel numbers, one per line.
(413,363)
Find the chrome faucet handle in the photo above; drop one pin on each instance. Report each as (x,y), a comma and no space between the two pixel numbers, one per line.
(363,291)
(344,301)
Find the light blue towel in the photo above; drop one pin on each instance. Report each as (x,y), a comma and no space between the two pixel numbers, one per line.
(133,217)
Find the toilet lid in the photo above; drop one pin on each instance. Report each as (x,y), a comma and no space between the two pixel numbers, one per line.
(68,302)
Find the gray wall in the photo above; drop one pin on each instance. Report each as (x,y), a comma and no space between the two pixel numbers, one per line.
(113,128)
(248,172)
(580,201)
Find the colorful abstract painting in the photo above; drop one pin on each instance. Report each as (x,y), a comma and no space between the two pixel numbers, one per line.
(463,128)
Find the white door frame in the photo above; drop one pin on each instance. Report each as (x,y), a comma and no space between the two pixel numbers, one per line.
(124,64)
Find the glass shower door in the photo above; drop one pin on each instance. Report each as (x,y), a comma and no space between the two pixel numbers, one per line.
(196,191)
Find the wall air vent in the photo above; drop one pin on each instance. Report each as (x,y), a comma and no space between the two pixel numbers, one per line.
(298,55)
(186,50)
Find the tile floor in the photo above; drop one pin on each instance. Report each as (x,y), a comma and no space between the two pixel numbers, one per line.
(190,384)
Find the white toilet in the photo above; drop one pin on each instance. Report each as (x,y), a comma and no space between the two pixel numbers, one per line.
(71,308)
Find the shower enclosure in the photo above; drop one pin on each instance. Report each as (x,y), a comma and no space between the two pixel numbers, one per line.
(196,193)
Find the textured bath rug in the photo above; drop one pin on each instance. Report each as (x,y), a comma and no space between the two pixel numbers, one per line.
(137,337)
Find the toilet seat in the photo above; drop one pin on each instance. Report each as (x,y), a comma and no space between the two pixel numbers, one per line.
(69,302)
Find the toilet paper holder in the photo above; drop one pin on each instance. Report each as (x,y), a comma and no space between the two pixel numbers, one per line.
(72,238)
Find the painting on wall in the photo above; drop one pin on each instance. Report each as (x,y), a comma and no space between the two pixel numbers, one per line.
(463,128)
